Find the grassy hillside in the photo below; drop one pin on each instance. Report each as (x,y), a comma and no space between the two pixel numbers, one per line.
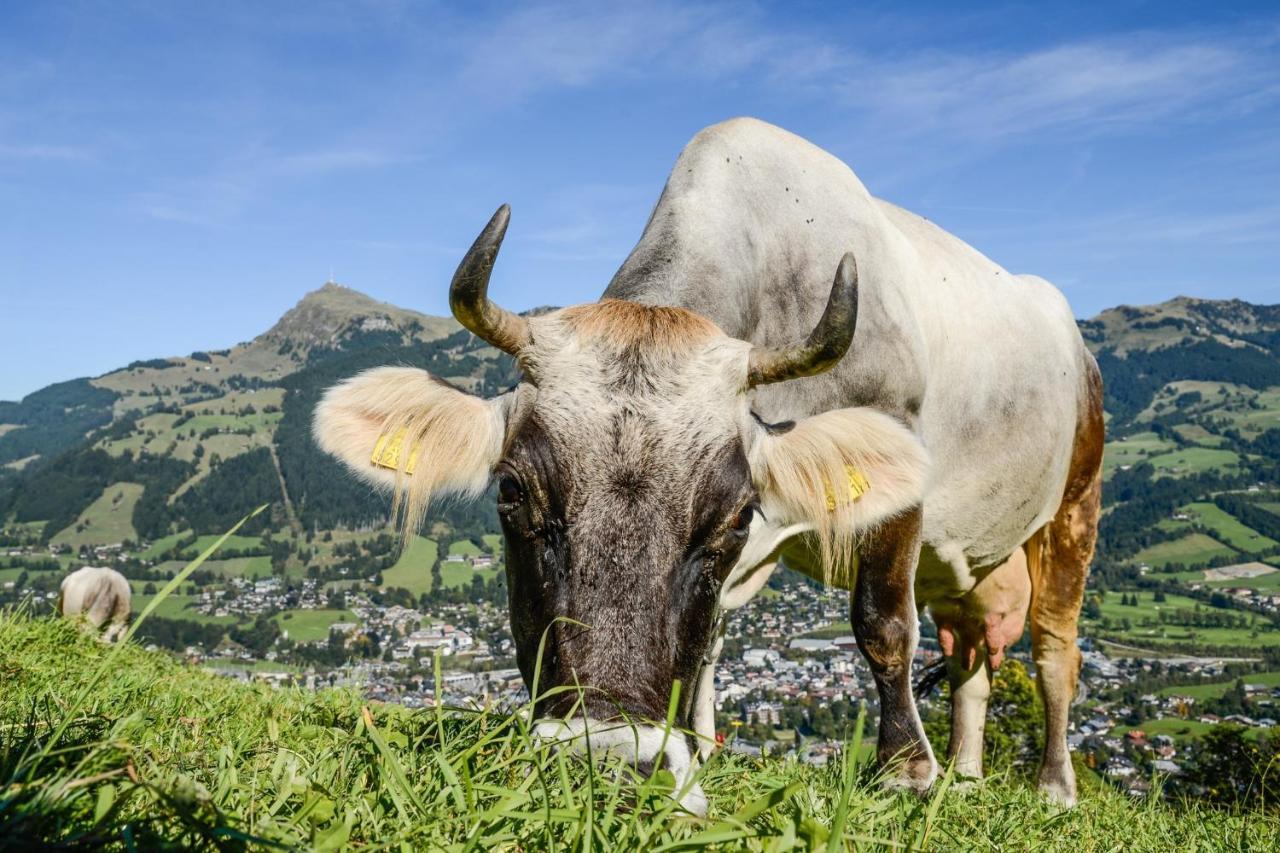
(155,752)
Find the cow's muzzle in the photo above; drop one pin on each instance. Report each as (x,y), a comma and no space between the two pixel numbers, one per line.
(646,747)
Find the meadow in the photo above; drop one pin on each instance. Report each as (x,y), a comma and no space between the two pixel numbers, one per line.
(1187,550)
(103,746)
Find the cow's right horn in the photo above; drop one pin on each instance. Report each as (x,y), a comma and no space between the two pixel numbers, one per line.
(826,344)
(468,295)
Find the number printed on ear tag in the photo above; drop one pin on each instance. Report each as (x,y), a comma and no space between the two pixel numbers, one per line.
(859,485)
(386,453)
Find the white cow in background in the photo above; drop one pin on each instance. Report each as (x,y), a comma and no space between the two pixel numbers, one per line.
(101,596)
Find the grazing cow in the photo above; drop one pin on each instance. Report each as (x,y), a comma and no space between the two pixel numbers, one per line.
(100,596)
(716,413)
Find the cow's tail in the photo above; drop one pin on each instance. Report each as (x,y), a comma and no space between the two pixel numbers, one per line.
(930,677)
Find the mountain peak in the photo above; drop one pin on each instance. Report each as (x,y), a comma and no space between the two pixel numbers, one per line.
(1183,319)
(333,313)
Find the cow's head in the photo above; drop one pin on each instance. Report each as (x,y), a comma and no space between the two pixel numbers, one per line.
(633,481)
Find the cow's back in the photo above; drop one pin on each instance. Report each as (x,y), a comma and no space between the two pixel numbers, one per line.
(1005,387)
(987,366)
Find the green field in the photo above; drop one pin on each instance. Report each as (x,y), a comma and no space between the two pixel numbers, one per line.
(1196,576)
(233,543)
(163,755)
(106,521)
(465,547)
(1157,635)
(308,626)
(160,546)
(176,606)
(1189,550)
(413,570)
(1202,692)
(1229,529)
(1133,450)
(1251,420)
(460,574)
(248,567)
(1193,460)
(1171,726)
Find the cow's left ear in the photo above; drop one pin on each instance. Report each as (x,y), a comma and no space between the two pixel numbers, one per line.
(842,472)
(401,428)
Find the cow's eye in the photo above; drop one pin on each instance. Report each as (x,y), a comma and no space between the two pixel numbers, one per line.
(509,491)
(742,521)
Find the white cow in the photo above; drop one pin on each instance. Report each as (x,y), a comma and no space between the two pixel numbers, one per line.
(100,596)
(924,428)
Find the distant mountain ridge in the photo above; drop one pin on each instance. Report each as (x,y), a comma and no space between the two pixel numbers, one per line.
(196,426)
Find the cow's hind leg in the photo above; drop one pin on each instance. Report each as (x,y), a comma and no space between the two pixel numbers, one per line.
(885,624)
(1058,558)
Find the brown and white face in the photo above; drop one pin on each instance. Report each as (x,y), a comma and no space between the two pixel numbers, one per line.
(631,478)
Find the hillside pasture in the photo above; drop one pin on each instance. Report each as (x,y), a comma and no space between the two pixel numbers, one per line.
(1192,549)
(1260,414)
(1193,460)
(1156,634)
(1201,692)
(1271,580)
(163,755)
(247,567)
(176,606)
(413,570)
(1133,450)
(163,545)
(454,575)
(1229,529)
(106,521)
(310,626)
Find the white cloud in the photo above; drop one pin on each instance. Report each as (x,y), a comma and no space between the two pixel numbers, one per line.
(1088,86)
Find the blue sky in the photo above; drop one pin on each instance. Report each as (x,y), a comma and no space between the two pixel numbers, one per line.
(174,176)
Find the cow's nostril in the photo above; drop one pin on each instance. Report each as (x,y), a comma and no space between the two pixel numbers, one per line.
(645,768)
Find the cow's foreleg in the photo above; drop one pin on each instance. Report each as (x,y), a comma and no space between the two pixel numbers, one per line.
(704,700)
(886,626)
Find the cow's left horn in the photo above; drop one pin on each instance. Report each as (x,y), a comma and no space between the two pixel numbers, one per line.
(826,344)
(468,295)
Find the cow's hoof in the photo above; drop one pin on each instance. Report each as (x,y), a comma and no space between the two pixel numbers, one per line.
(916,775)
(965,784)
(1058,785)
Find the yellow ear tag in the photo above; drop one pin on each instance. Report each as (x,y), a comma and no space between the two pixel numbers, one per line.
(386,453)
(859,485)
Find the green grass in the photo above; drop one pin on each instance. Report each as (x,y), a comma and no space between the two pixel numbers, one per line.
(1133,450)
(1229,529)
(413,570)
(162,754)
(177,606)
(1158,635)
(233,543)
(1175,728)
(1193,460)
(460,574)
(248,567)
(1192,549)
(1213,691)
(308,626)
(465,547)
(106,521)
(162,545)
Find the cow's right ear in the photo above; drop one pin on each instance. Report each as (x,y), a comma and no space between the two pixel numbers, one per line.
(400,428)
